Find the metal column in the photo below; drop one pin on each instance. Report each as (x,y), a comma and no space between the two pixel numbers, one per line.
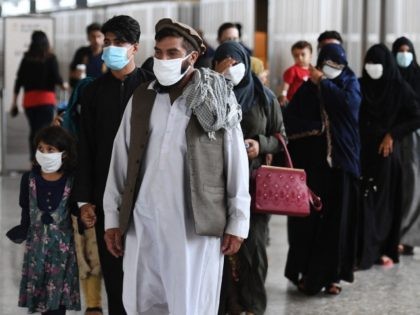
(81,3)
(364,36)
(382,25)
(32,6)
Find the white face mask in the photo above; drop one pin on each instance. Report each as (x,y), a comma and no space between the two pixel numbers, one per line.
(374,70)
(49,162)
(404,58)
(168,72)
(235,73)
(330,72)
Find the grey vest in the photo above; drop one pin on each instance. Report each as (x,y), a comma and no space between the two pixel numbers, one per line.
(207,181)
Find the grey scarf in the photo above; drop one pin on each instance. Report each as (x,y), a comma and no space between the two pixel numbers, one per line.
(212,100)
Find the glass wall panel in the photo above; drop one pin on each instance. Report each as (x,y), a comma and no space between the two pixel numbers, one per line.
(102,2)
(51,5)
(15,8)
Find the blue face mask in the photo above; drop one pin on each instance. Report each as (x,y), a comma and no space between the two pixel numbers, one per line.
(404,58)
(115,57)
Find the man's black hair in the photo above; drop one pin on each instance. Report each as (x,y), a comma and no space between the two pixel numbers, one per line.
(125,28)
(226,26)
(330,35)
(167,32)
(93,28)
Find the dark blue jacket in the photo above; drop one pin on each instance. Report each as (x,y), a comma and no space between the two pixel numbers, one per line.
(341,99)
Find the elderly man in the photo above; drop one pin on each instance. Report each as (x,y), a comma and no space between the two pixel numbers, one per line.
(177,187)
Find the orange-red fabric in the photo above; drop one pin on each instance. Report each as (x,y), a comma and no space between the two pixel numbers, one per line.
(295,76)
(37,97)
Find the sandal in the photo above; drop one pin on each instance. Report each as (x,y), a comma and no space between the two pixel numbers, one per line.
(302,288)
(301,285)
(406,250)
(333,289)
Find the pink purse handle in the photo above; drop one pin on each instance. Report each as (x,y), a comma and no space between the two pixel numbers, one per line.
(287,158)
(314,200)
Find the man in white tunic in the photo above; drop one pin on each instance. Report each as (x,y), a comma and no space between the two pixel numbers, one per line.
(177,187)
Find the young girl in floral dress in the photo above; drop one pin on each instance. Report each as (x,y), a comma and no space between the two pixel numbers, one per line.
(50,282)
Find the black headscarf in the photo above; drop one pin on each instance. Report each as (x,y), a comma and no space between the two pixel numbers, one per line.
(382,97)
(388,106)
(250,90)
(411,73)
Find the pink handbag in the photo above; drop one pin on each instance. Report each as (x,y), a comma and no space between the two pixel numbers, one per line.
(282,190)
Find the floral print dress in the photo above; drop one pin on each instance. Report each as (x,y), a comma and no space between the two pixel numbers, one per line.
(49,275)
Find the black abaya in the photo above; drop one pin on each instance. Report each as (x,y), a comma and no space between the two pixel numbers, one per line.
(388,108)
(322,246)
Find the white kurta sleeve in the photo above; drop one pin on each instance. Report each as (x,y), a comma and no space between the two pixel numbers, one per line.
(117,173)
(237,186)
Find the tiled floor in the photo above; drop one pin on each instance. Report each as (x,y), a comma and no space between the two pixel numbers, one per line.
(378,291)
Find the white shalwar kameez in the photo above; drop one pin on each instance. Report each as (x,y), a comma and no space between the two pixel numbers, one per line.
(168,268)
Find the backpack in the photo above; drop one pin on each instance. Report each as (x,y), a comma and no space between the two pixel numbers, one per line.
(71,117)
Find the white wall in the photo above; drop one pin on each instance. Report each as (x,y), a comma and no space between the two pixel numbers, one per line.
(213,13)
(403,19)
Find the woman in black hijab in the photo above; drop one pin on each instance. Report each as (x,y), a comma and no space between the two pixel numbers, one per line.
(389,111)
(244,274)
(322,125)
(405,55)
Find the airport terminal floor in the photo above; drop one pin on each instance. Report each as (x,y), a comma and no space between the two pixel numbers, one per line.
(377,291)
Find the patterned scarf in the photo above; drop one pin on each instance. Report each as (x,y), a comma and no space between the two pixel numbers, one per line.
(212,100)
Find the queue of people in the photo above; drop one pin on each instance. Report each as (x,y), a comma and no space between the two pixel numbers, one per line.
(164,158)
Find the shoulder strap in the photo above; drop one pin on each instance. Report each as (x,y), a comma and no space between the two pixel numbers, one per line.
(314,200)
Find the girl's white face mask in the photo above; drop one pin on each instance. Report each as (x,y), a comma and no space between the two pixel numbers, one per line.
(168,72)
(49,162)
(330,72)
(235,73)
(374,70)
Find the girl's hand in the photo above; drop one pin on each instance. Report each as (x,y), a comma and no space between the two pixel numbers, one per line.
(386,146)
(253,149)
